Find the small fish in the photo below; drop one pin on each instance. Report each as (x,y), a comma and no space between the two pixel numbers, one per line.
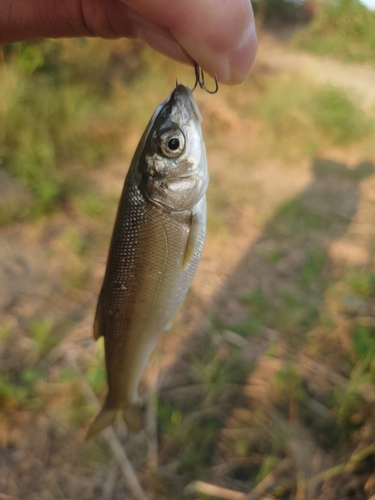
(156,245)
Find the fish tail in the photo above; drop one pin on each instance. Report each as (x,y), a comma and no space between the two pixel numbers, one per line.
(133,418)
(104,418)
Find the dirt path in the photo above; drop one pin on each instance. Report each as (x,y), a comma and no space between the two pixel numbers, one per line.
(357,78)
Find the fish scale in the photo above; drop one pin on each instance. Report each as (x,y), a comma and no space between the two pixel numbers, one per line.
(155,249)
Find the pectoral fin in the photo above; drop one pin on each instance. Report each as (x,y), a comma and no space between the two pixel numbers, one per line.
(99,322)
(191,243)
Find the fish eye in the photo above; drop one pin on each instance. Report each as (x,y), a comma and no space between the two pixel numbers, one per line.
(172,143)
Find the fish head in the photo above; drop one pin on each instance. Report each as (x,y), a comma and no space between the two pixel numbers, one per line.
(172,166)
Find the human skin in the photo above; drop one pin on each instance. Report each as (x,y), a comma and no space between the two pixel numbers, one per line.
(218,34)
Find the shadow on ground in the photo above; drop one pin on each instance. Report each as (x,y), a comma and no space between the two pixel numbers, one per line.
(268,375)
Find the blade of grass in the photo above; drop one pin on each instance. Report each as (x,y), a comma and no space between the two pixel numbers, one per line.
(214,491)
(348,466)
(269,480)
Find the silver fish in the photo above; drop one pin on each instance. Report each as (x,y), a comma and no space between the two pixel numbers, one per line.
(156,245)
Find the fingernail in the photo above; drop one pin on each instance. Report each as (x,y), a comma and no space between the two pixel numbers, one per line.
(242,58)
(162,42)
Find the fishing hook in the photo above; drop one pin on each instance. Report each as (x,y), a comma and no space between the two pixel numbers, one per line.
(199,80)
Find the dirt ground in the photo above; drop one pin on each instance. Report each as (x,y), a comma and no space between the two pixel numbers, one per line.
(42,456)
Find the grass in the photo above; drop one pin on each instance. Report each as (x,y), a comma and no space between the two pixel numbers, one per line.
(343,29)
(297,301)
(303,119)
(325,316)
(62,115)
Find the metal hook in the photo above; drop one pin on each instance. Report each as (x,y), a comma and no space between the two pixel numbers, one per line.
(199,80)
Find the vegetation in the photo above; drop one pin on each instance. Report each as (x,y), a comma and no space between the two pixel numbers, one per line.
(276,388)
(64,112)
(343,29)
(301,119)
(281,12)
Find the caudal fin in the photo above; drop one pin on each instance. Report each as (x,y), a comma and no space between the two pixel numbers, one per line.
(133,418)
(104,418)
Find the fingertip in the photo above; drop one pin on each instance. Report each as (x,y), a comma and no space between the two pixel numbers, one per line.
(235,67)
(242,58)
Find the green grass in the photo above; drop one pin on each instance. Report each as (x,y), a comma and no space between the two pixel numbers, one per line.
(361,282)
(337,116)
(343,29)
(303,118)
(364,341)
(288,383)
(43,334)
(314,266)
(190,444)
(61,116)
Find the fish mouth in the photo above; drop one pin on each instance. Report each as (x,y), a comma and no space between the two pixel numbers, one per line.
(184,95)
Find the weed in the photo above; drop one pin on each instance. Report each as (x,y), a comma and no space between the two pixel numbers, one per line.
(214,369)
(250,327)
(10,394)
(294,315)
(364,341)
(337,116)
(274,256)
(289,384)
(41,331)
(348,399)
(361,282)
(54,122)
(293,216)
(96,374)
(301,117)
(191,444)
(241,448)
(267,467)
(314,265)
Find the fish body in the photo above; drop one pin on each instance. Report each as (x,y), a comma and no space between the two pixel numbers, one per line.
(156,245)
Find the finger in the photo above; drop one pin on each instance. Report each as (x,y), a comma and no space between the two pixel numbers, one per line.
(158,37)
(25,20)
(218,34)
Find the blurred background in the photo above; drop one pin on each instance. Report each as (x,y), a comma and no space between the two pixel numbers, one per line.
(265,385)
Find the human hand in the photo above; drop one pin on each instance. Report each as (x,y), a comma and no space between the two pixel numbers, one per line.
(218,34)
